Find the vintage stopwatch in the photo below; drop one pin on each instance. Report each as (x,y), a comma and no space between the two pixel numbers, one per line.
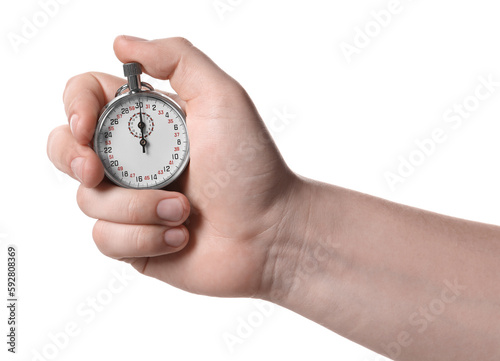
(141,136)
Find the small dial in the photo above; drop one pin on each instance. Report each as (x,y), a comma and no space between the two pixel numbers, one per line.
(158,151)
(134,125)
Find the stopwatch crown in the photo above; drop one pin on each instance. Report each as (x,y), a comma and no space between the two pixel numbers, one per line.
(133,73)
(132,69)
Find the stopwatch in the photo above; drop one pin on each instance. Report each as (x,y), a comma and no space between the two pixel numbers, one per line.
(141,136)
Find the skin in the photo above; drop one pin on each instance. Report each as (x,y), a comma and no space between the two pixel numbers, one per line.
(406,283)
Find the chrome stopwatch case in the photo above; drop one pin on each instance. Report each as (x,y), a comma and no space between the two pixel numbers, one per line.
(141,136)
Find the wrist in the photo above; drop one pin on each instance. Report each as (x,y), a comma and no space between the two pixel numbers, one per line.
(306,241)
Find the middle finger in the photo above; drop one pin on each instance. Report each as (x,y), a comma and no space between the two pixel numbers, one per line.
(133,206)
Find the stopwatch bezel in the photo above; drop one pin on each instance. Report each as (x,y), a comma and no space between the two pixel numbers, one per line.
(106,110)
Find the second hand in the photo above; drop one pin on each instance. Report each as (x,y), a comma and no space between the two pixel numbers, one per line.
(141,125)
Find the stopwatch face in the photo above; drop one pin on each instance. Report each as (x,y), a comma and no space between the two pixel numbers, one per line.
(142,140)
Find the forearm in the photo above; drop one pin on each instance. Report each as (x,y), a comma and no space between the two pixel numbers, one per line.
(407,283)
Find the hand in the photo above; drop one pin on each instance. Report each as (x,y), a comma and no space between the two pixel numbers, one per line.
(238,184)
(366,268)
(141,126)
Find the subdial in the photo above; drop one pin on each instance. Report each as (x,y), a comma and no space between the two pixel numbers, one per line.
(134,125)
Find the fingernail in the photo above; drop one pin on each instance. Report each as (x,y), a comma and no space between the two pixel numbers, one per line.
(174,237)
(170,209)
(73,123)
(133,38)
(77,167)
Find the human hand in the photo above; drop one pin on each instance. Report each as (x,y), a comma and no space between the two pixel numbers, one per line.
(237,184)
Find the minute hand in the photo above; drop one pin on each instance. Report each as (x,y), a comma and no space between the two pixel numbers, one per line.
(142,125)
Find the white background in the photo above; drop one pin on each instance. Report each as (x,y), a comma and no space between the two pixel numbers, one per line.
(351,121)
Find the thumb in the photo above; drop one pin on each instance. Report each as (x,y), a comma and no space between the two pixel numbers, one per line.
(191,72)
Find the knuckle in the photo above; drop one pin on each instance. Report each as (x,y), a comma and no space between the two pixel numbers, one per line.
(181,41)
(133,208)
(82,199)
(72,80)
(76,79)
(69,83)
(142,241)
(235,91)
(99,236)
(51,141)
(78,100)
(87,83)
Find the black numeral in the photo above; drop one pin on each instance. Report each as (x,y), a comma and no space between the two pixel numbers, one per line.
(114,121)
(154,106)
(113,163)
(108,150)
(176,127)
(124,110)
(108,135)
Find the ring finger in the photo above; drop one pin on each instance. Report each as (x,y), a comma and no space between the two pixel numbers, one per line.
(118,240)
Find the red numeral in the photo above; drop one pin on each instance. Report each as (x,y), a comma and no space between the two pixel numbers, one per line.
(118,116)
(176,149)
(176,134)
(131,108)
(160,172)
(171,162)
(147,177)
(111,128)
(160,112)
(120,168)
(148,106)
(170,121)
(108,142)
(132,175)
(111,156)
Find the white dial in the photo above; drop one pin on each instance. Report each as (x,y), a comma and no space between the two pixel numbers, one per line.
(142,140)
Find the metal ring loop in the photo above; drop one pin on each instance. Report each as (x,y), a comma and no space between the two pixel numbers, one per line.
(147,85)
(121,89)
(125,86)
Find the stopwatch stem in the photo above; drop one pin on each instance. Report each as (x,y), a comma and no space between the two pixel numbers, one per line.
(133,73)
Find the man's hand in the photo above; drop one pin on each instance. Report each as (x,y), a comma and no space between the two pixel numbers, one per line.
(237,184)
(366,268)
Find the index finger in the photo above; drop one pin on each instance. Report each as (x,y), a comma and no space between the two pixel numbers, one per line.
(84,97)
